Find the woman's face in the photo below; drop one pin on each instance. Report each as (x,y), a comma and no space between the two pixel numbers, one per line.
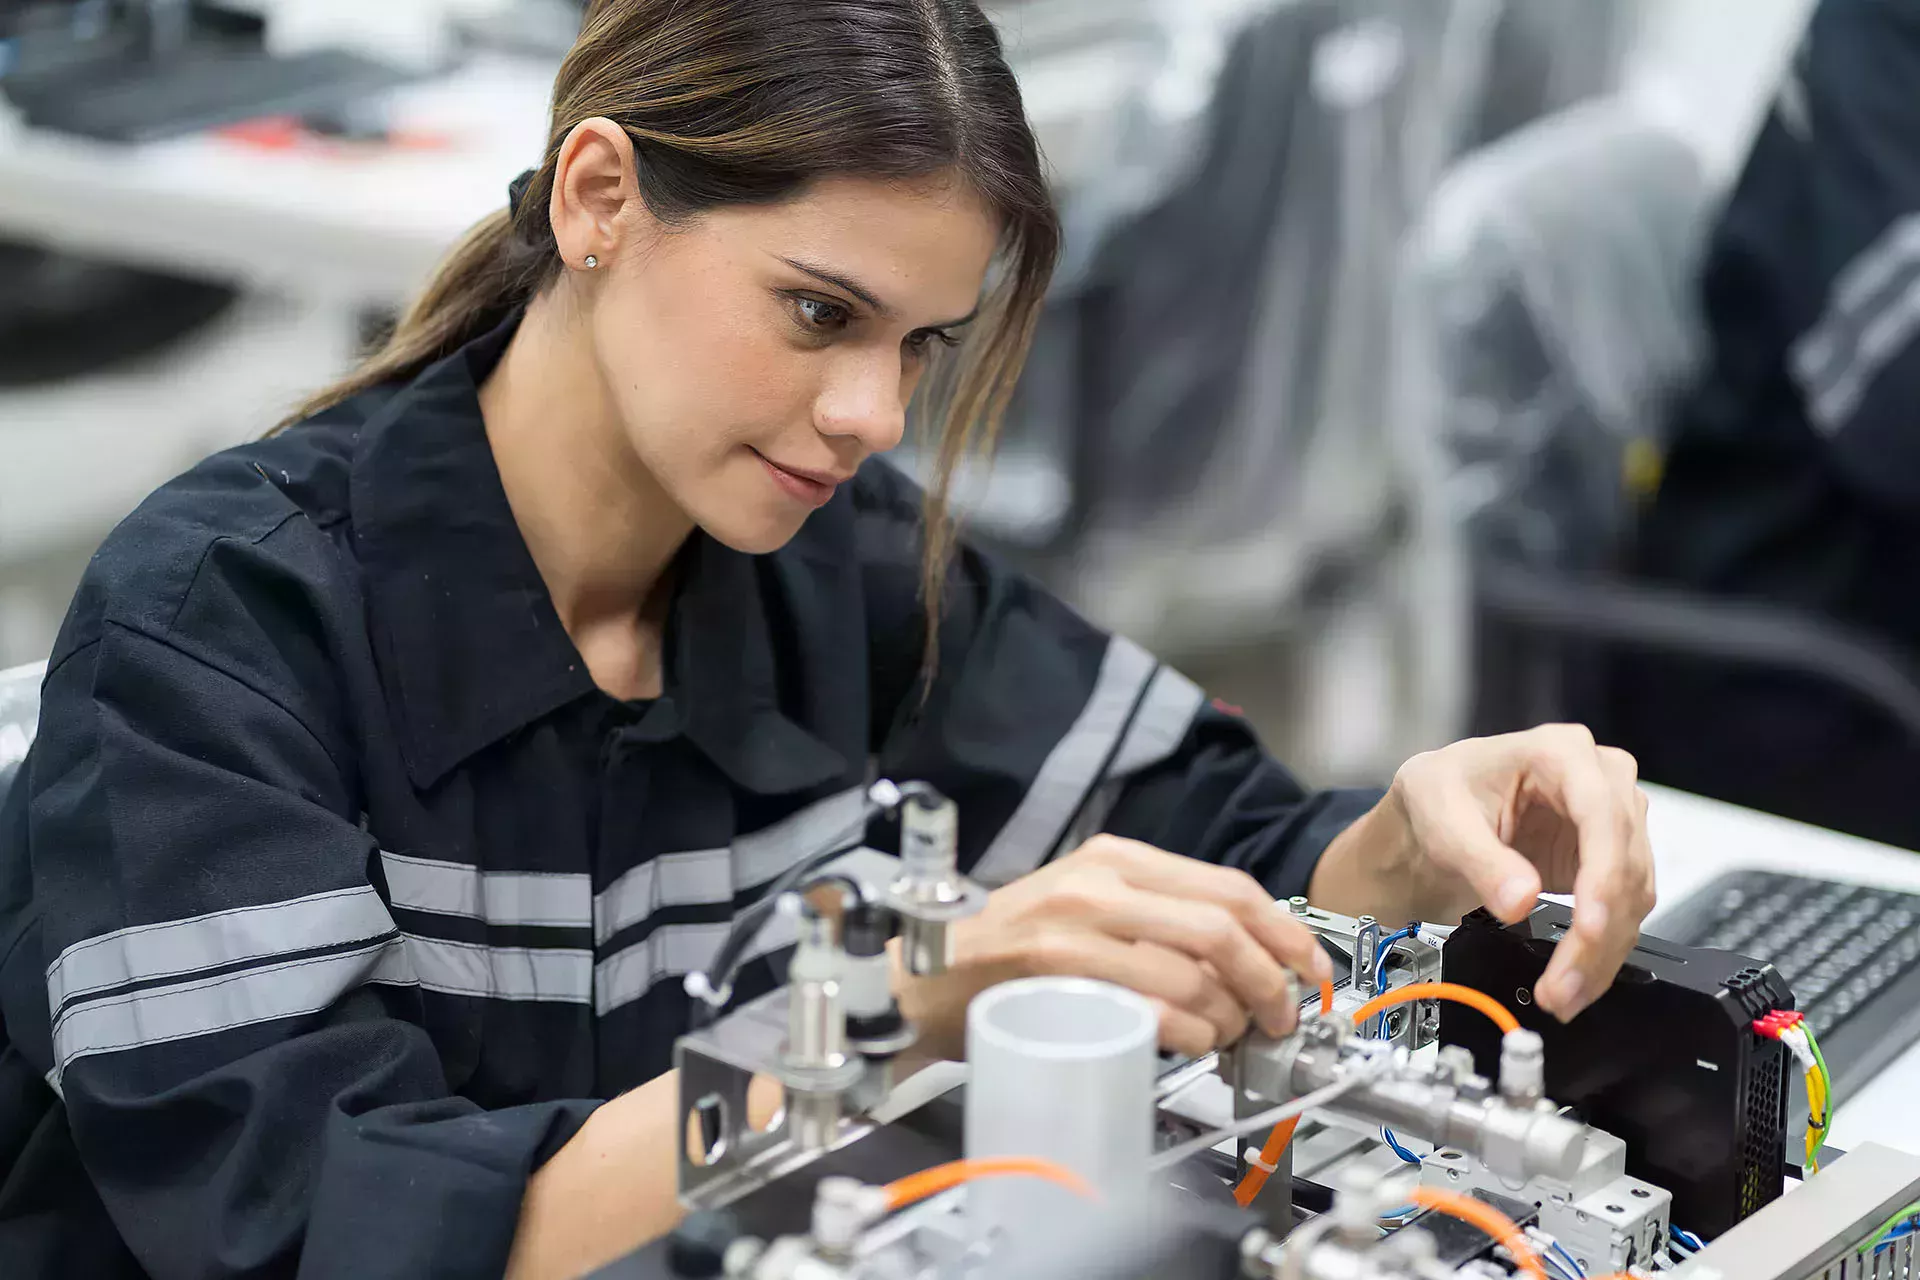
(756,356)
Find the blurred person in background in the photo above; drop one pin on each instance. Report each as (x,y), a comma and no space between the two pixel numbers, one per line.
(393,769)
(1793,474)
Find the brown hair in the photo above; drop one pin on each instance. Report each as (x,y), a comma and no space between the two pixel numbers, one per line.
(747,101)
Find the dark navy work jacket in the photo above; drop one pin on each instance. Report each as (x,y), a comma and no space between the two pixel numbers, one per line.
(334,893)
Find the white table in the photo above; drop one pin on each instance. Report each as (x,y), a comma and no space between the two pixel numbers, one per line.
(1695,840)
(354,224)
(365,225)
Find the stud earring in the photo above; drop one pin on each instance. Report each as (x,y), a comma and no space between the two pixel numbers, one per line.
(592,262)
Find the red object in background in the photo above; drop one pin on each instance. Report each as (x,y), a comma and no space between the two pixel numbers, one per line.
(1227,707)
(290,133)
(269,133)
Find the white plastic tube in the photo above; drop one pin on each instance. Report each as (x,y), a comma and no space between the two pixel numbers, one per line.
(1062,1069)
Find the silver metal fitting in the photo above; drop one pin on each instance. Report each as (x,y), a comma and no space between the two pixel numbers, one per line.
(816,1013)
(843,1208)
(1257,1249)
(1456,1063)
(816,1066)
(742,1256)
(1421,1100)
(1523,1068)
(1360,1202)
(930,894)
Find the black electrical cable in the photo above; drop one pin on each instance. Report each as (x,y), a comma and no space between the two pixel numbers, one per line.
(717,981)
(855,893)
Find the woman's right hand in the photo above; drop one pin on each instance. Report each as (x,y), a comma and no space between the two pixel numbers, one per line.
(1205,943)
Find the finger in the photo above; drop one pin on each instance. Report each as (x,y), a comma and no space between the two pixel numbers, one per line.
(1455,833)
(1184,1033)
(1174,980)
(1202,931)
(1197,989)
(1595,791)
(1286,939)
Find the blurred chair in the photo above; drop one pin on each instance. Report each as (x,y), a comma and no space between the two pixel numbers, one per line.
(19,717)
(1138,359)
(1550,321)
(63,316)
(1211,385)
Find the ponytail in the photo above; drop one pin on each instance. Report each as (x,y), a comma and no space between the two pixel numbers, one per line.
(493,269)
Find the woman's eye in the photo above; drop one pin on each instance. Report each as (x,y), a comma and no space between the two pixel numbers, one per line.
(826,317)
(917,343)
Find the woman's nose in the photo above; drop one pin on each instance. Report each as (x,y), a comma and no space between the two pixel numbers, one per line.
(866,401)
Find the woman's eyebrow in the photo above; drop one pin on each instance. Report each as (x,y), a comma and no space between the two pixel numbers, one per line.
(865,294)
(841,282)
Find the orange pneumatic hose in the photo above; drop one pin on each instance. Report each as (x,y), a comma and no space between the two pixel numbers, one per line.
(1440,991)
(916,1187)
(1278,1139)
(1480,1214)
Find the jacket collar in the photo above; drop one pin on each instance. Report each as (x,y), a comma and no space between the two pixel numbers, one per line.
(471,647)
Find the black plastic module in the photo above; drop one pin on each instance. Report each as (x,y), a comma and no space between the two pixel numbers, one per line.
(1667,1059)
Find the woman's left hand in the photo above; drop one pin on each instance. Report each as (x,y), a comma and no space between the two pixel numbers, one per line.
(1499,821)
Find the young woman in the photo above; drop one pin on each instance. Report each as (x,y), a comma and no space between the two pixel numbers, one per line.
(393,770)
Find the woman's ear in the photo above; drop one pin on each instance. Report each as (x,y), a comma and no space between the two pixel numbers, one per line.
(594,179)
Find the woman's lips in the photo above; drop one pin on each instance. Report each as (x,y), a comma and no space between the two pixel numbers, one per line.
(812,488)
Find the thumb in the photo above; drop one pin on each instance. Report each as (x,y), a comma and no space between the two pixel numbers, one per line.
(1458,837)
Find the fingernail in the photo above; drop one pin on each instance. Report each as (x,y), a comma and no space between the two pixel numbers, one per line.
(1322,967)
(1566,995)
(1516,894)
(1278,1024)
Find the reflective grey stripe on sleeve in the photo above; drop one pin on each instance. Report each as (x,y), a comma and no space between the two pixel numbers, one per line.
(222,1002)
(674,950)
(559,974)
(562,899)
(143,953)
(1874,314)
(1072,768)
(700,876)
(761,855)
(1160,725)
(711,877)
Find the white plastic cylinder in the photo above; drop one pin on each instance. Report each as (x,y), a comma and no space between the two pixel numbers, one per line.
(1062,1069)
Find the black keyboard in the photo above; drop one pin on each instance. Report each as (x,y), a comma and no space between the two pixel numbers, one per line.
(1850,955)
(144,102)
